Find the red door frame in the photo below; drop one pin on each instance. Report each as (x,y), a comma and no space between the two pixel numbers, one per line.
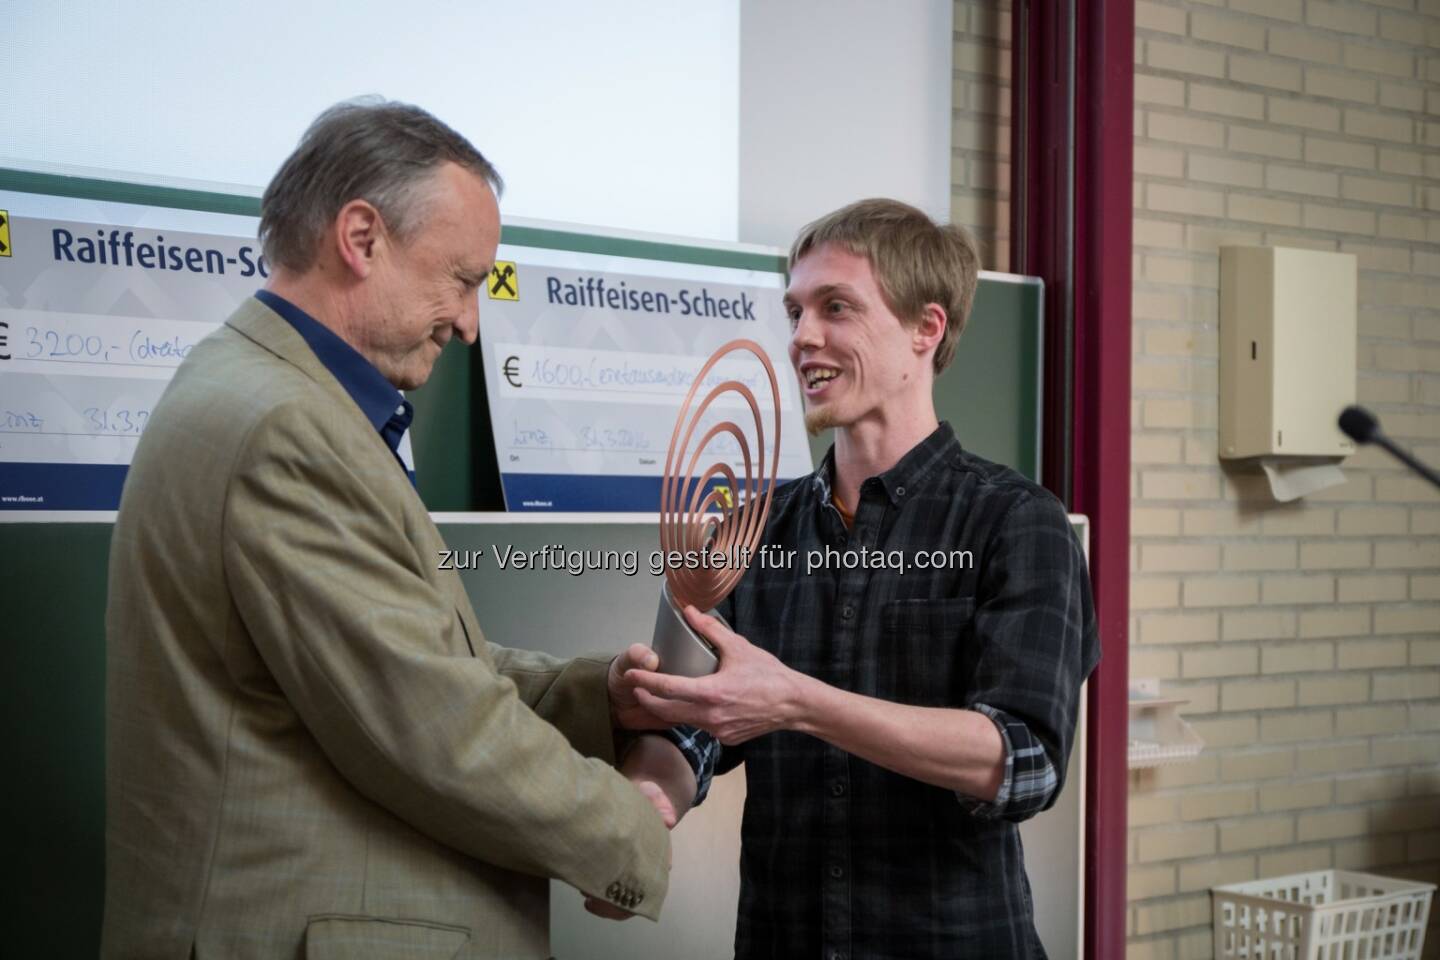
(1072,153)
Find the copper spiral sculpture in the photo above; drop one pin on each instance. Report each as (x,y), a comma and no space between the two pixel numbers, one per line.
(687,524)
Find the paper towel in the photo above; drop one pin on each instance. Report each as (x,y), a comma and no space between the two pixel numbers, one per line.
(1290,480)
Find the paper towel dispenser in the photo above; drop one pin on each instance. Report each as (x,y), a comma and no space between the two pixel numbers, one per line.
(1287,351)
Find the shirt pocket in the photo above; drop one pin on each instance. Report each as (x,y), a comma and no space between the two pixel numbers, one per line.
(923,648)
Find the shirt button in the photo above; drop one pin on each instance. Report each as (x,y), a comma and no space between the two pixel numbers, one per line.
(837,872)
(848,612)
(838,788)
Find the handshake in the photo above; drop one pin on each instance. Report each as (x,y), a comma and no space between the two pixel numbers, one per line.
(751,694)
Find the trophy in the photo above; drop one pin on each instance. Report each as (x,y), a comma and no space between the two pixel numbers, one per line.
(710,537)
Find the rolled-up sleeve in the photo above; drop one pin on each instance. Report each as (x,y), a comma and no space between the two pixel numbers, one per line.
(700,750)
(1035,643)
(1030,780)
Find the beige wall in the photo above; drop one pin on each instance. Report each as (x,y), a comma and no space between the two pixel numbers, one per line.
(1307,636)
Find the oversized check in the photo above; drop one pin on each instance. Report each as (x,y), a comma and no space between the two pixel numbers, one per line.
(100,301)
(587,359)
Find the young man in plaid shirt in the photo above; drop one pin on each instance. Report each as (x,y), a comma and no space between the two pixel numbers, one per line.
(904,691)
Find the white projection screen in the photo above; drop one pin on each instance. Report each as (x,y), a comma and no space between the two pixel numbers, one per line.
(607,114)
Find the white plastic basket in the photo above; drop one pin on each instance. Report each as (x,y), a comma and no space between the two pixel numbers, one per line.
(1321,915)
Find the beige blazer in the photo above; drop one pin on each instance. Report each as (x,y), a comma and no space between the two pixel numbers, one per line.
(312,751)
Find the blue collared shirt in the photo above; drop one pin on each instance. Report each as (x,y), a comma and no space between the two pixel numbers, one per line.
(384,406)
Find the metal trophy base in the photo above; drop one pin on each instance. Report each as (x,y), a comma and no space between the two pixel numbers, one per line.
(683,652)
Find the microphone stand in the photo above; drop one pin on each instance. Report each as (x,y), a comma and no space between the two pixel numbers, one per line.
(1361,426)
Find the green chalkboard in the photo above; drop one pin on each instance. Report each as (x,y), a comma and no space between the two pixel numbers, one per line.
(54,573)
(52,710)
(991,393)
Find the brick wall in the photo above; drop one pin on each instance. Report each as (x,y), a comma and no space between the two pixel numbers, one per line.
(1307,635)
(980,129)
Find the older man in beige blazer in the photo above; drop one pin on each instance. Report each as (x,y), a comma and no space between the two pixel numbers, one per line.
(312,749)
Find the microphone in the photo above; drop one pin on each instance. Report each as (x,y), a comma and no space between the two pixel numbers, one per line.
(1360,425)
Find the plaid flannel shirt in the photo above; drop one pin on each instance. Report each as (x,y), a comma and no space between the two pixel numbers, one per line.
(843,859)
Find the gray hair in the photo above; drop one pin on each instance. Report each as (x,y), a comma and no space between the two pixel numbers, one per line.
(366,149)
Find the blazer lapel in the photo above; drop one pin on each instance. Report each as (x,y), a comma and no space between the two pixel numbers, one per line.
(258,323)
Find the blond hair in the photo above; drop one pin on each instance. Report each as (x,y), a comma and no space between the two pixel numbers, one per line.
(916,261)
